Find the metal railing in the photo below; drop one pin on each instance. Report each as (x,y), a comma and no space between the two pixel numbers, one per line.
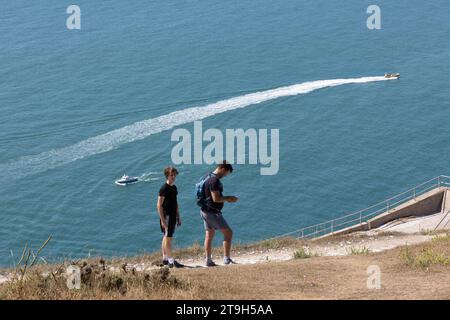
(361,216)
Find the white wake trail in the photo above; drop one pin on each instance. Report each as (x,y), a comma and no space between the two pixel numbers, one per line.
(32,164)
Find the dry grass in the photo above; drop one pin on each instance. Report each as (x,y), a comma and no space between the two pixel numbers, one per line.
(427,232)
(329,277)
(426,277)
(390,233)
(276,243)
(436,253)
(97,282)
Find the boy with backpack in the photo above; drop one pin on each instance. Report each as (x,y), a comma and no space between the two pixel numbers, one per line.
(169,215)
(210,198)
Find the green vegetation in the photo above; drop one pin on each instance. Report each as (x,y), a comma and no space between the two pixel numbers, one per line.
(435,253)
(359,251)
(441,239)
(424,259)
(302,254)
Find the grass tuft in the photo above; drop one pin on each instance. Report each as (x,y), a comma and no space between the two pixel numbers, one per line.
(359,251)
(426,232)
(302,254)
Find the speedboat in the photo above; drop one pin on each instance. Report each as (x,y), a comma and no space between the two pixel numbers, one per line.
(392,75)
(126,180)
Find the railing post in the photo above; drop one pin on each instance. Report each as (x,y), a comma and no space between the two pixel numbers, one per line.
(414,193)
(387,206)
(332,226)
(439,181)
(360,217)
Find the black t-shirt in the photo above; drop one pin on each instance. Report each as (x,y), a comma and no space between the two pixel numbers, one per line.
(170,198)
(213,184)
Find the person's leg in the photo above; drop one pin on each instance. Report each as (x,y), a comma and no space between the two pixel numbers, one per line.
(168,248)
(209,236)
(163,249)
(171,222)
(163,242)
(227,237)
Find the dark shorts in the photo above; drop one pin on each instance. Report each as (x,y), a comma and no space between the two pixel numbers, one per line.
(214,221)
(171,221)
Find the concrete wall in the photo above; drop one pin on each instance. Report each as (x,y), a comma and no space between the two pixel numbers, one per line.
(426,204)
(446,202)
(420,208)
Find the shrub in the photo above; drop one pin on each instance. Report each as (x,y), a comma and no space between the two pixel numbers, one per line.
(301,254)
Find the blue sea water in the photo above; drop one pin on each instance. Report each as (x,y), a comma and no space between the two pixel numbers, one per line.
(341,148)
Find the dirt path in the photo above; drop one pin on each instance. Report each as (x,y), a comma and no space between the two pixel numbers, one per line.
(347,245)
(368,242)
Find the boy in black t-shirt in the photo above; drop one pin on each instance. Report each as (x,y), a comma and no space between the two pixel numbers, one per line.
(169,215)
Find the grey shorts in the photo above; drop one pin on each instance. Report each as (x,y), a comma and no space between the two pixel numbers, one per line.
(214,221)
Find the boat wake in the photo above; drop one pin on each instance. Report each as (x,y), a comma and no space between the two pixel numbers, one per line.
(148,177)
(33,164)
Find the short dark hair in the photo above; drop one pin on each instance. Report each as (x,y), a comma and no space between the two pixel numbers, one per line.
(169,170)
(225,165)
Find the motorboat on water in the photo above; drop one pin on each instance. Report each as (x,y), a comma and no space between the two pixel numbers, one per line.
(392,75)
(126,180)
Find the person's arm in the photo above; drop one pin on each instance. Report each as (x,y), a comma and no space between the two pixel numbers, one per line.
(178,216)
(161,211)
(216,197)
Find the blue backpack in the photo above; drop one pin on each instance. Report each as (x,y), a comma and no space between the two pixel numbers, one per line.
(200,195)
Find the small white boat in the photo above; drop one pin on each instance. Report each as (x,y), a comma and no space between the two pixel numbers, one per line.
(126,180)
(392,75)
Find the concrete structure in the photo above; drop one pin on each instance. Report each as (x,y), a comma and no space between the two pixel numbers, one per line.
(421,224)
(427,212)
(428,203)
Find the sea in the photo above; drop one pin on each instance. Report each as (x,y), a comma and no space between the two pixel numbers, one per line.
(81,107)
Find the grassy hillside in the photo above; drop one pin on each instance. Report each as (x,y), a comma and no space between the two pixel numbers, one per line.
(408,272)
